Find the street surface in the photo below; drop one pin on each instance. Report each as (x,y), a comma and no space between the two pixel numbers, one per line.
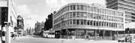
(37,39)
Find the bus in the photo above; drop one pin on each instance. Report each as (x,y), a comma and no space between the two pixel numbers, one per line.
(48,34)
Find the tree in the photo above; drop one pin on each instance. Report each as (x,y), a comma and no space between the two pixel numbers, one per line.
(49,21)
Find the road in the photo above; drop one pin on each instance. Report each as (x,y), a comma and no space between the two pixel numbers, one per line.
(34,39)
(37,39)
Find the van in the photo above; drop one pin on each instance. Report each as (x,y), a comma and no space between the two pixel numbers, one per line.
(127,38)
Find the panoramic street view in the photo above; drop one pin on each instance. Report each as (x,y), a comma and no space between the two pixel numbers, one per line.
(67,21)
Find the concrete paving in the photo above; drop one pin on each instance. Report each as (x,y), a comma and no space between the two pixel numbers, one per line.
(37,39)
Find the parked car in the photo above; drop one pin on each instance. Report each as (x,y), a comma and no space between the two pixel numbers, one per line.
(127,38)
(122,39)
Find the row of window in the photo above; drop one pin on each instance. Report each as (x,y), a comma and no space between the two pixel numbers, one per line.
(88,8)
(127,6)
(88,15)
(89,22)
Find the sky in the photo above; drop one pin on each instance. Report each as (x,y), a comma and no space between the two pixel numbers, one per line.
(38,10)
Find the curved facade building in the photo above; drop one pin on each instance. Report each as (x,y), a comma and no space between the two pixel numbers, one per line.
(80,19)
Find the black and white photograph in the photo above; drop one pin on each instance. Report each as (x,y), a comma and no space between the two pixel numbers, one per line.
(67,21)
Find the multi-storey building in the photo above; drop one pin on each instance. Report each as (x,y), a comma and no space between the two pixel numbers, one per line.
(124,5)
(20,25)
(11,18)
(80,19)
(39,26)
(20,22)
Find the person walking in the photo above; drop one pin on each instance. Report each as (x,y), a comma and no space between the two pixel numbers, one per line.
(87,37)
(12,35)
(3,36)
(129,38)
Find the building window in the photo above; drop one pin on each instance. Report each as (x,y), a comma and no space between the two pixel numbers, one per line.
(68,22)
(77,14)
(74,14)
(77,22)
(68,8)
(107,24)
(70,14)
(84,22)
(111,25)
(88,22)
(94,23)
(94,9)
(103,23)
(74,21)
(82,7)
(97,23)
(71,21)
(91,22)
(81,22)
(78,7)
(72,7)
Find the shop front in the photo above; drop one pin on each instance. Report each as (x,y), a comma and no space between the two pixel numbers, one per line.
(85,34)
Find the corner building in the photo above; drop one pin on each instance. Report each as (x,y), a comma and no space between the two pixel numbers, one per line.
(81,19)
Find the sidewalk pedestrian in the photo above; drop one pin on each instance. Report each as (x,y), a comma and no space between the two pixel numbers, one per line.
(87,37)
(15,35)
(12,35)
(128,38)
(3,36)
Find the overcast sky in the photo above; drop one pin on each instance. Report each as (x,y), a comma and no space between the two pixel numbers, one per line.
(39,9)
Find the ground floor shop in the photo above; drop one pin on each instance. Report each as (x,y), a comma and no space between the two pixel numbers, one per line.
(85,33)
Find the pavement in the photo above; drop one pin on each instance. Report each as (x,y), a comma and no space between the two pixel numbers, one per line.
(87,41)
(38,39)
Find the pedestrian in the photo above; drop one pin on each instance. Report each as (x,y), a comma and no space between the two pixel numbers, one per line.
(15,35)
(129,38)
(3,37)
(87,37)
(12,35)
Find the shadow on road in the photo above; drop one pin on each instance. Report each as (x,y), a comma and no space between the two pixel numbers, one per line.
(37,36)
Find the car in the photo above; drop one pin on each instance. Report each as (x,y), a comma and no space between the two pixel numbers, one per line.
(45,35)
(122,39)
(51,36)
